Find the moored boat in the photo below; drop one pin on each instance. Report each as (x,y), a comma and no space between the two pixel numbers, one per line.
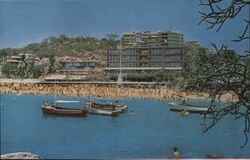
(54,109)
(106,112)
(108,106)
(105,109)
(189,108)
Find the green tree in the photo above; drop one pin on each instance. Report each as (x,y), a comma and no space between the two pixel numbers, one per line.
(54,65)
(112,40)
(38,70)
(22,68)
(3,53)
(29,70)
(8,69)
(63,37)
(191,50)
(161,75)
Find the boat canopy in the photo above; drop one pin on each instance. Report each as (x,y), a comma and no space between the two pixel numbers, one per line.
(103,100)
(64,101)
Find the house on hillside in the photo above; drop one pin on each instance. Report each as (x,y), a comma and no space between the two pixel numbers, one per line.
(29,58)
(14,60)
(73,69)
(76,63)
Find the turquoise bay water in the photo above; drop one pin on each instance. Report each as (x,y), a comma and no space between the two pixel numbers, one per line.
(150,134)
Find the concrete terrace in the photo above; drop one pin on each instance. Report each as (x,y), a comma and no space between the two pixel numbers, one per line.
(82,82)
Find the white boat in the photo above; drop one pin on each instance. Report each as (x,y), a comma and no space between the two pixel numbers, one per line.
(96,110)
(104,106)
(189,108)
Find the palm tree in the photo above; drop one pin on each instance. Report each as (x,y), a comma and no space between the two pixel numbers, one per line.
(54,65)
(29,70)
(22,66)
(112,40)
(38,70)
(8,69)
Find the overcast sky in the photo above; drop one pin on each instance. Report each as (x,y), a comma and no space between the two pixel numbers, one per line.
(24,22)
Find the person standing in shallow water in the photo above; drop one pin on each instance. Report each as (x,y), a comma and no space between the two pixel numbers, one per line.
(176,153)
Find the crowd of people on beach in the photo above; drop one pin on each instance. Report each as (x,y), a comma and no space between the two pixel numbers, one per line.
(94,90)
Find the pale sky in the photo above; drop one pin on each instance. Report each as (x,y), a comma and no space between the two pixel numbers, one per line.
(28,21)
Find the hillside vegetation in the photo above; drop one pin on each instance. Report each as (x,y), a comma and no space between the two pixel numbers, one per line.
(64,45)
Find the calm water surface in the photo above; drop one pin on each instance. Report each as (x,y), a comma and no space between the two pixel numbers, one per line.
(150,134)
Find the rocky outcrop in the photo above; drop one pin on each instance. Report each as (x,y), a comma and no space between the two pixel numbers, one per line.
(20,155)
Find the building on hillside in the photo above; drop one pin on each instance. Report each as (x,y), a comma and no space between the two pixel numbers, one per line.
(14,60)
(147,58)
(147,52)
(76,65)
(28,57)
(73,69)
(148,39)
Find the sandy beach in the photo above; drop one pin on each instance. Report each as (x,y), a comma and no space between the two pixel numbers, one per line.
(103,91)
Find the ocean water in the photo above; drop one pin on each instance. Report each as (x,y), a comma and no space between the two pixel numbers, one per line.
(150,134)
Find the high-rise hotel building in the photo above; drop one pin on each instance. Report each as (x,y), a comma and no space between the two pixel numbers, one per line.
(147,51)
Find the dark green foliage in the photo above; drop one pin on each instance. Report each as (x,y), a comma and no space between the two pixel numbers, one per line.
(38,70)
(63,45)
(140,77)
(112,41)
(8,69)
(190,52)
(159,76)
(54,65)
(52,47)
(23,68)
(7,52)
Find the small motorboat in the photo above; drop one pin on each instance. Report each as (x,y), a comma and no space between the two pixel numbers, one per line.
(105,109)
(107,106)
(54,109)
(188,108)
(102,111)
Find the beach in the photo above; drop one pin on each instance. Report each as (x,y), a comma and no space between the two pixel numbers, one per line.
(98,90)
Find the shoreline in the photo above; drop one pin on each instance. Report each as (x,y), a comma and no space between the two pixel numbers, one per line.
(94,90)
